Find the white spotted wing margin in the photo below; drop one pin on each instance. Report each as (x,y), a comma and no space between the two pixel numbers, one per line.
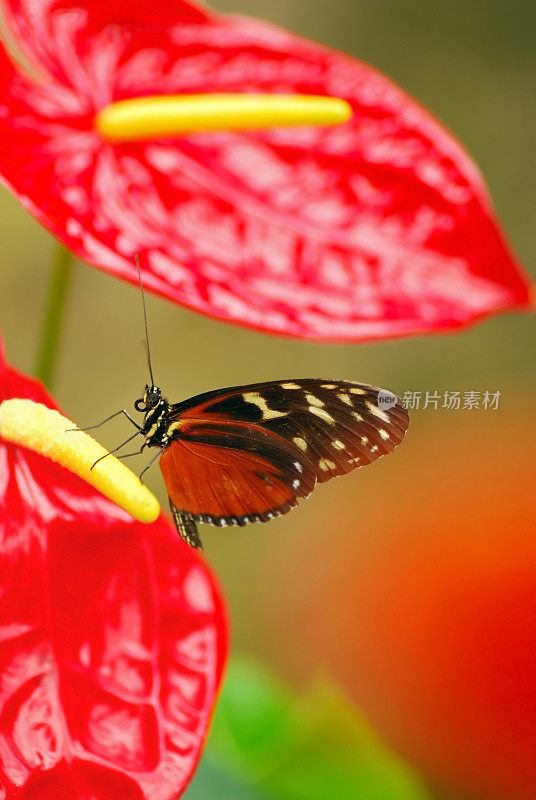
(337,425)
(247,453)
(186,527)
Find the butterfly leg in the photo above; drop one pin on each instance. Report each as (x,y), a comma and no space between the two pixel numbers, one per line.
(129,455)
(116,448)
(186,527)
(136,453)
(122,411)
(152,459)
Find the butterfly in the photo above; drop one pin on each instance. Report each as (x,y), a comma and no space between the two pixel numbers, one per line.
(248,453)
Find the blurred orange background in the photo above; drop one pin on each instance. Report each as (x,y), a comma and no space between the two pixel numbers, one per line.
(428,614)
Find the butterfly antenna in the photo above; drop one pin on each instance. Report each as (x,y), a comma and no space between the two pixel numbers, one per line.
(145,320)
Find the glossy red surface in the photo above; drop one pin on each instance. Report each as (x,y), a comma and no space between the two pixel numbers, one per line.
(112,639)
(380,227)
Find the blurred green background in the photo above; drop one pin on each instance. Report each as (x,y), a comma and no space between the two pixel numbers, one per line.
(473,64)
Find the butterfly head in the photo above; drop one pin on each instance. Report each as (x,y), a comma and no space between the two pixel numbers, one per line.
(152,398)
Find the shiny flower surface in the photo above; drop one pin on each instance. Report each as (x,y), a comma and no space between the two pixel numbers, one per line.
(112,639)
(378,227)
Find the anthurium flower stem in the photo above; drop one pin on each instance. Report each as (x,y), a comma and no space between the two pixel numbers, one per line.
(172,115)
(54,313)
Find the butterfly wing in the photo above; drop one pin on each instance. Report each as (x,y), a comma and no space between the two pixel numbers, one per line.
(247,453)
(227,473)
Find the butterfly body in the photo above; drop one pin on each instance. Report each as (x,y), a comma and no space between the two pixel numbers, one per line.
(247,453)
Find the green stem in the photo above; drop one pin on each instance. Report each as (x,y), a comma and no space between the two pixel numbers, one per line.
(54,313)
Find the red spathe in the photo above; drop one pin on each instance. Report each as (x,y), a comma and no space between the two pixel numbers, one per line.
(380,227)
(112,639)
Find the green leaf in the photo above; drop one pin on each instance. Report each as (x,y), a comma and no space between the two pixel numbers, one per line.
(338,755)
(211,782)
(308,747)
(255,720)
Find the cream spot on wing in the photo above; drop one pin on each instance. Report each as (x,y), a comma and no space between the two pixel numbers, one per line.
(290,386)
(328,385)
(373,449)
(338,445)
(260,402)
(355,390)
(383,433)
(298,466)
(299,442)
(295,484)
(325,464)
(358,417)
(378,412)
(345,398)
(364,439)
(314,401)
(320,412)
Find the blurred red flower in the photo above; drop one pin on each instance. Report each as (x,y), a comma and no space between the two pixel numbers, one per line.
(112,639)
(435,632)
(377,228)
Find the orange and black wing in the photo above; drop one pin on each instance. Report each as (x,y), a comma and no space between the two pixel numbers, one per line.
(246,454)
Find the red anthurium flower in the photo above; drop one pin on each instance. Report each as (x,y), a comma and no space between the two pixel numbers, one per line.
(112,639)
(378,227)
